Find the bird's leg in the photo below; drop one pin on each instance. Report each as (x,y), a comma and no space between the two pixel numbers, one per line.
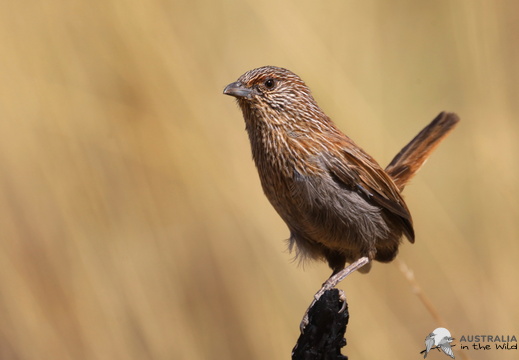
(331,283)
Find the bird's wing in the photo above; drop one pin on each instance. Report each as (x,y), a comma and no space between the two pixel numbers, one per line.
(429,342)
(359,172)
(446,348)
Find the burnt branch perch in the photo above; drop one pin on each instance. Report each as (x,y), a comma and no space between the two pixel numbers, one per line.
(323,337)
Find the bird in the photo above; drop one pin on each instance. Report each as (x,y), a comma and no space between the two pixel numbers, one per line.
(441,338)
(339,204)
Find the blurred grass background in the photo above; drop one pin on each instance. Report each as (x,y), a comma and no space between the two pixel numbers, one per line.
(132,219)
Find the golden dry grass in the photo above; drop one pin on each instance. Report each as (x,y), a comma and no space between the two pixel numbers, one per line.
(133,223)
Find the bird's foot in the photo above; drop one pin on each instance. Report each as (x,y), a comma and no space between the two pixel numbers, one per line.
(330,284)
(342,298)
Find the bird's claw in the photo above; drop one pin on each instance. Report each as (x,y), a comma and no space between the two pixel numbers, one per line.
(306,320)
(342,298)
(304,323)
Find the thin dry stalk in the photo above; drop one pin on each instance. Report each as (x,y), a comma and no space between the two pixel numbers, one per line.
(417,289)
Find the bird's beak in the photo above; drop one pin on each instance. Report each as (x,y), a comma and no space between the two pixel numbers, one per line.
(237,89)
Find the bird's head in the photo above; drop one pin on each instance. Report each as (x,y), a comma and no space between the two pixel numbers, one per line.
(273,95)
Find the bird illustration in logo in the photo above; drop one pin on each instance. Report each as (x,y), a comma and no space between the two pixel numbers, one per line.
(439,339)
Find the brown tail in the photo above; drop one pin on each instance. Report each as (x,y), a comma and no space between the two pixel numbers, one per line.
(411,158)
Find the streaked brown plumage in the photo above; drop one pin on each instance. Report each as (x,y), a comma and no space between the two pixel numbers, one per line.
(338,203)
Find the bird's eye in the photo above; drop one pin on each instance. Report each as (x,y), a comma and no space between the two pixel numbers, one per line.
(270,83)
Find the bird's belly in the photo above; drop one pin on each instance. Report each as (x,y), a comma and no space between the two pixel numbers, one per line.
(337,218)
